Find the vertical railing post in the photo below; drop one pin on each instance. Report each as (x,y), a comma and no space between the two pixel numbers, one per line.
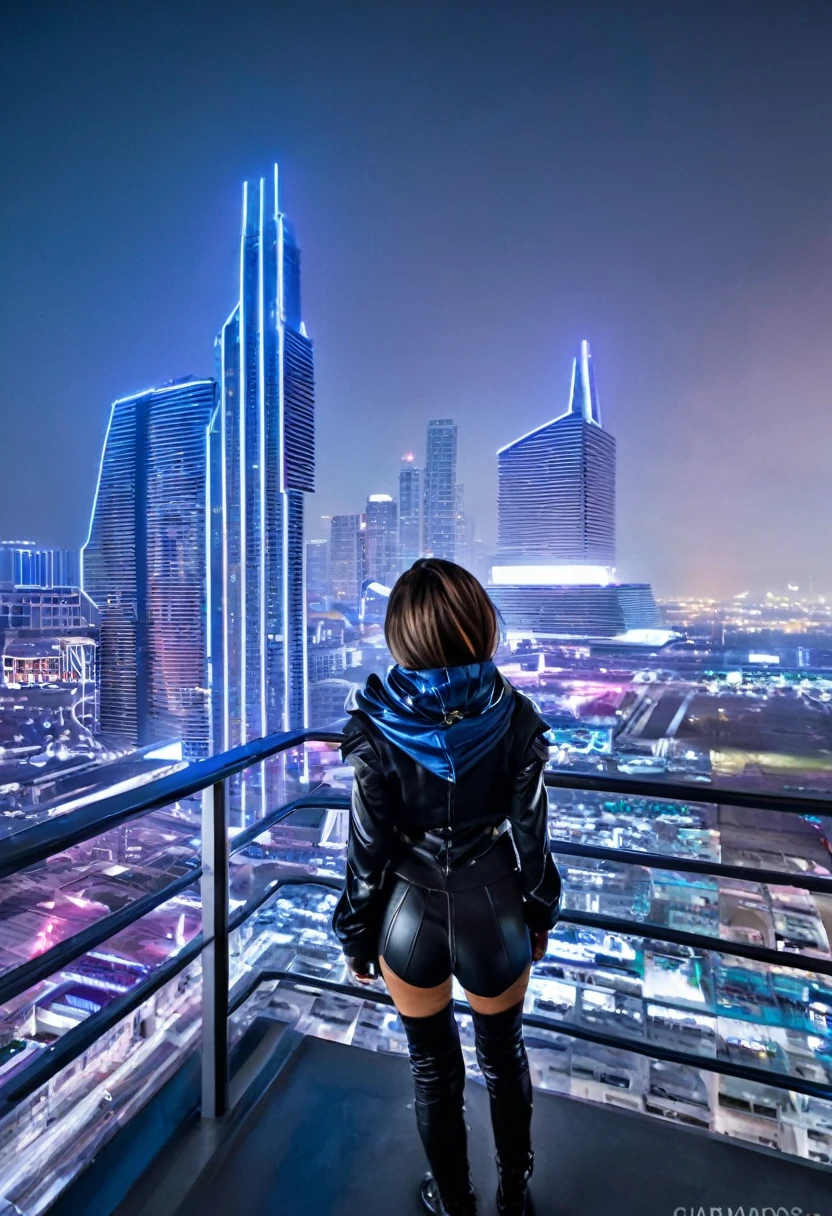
(215,954)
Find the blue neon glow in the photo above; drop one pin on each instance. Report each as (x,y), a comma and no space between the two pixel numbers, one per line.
(255,470)
(243,538)
(97,488)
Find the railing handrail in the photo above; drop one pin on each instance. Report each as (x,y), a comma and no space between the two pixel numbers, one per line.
(692,865)
(72,1044)
(50,1060)
(19,979)
(33,844)
(119,808)
(44,839)
(642,1047)
(688,791)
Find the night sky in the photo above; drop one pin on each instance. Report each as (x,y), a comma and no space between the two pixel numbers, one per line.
(475,187)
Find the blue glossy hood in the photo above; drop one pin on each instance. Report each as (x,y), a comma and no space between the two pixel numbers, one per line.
(446,718)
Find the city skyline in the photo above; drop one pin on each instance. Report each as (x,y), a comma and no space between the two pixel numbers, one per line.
(692,250)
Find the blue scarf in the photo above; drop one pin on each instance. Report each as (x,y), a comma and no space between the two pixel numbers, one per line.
(446,718)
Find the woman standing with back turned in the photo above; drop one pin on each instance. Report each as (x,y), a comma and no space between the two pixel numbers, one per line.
(448,797)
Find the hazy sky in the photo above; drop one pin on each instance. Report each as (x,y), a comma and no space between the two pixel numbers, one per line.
(475,186)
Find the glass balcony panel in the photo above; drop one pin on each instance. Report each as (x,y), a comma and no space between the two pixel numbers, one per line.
(51,901)
(52,1135)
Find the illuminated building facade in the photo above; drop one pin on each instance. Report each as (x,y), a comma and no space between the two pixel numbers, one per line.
(577,611)
(317,570)
(49,637)
(25,564)
(144,565)
(554,573)
(47,610)
(346,560)
(410,512)
(382,540)
(556,496)
(262,464)
(328,701)
(463,531)
(440,489)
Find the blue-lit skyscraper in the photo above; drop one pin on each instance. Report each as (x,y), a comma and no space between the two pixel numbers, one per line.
(410,512)
(554,575)
(144,565)
(440,489)
(347,560)
(262,463)
(556,505)
(382,540)
(317,570)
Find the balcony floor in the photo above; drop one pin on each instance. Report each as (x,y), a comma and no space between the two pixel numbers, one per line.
(335,1134)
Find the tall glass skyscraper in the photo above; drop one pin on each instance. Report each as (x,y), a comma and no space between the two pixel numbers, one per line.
(382,540)
(317,569)
(554,572)
(410,512)
(440,489)
(262,463)
(556,506)
(346,560)
(144,565)
(463,531)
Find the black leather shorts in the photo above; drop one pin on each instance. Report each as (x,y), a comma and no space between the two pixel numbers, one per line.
(475,932)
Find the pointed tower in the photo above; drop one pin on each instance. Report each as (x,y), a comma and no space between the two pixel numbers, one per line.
(262,464)
(557,492)
(554,576)
(583,395)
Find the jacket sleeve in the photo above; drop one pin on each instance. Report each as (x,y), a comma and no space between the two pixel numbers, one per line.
(529,818)
(357,917)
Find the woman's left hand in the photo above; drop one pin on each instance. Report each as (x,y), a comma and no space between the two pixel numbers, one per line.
(540,944)
(362,970)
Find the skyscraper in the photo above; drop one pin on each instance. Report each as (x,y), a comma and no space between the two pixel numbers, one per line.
(410,512)
(346,560)
(440,489)
(554,571)
(144,565)
(463,531)
(556,505)
(382,540)
(317,569)
(262,462)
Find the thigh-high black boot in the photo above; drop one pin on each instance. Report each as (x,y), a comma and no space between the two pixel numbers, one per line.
(505,1067)
(439,1078)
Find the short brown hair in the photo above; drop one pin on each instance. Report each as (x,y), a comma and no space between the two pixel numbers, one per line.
(439,615)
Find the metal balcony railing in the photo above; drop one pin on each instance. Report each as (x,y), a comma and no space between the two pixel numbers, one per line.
(211,779)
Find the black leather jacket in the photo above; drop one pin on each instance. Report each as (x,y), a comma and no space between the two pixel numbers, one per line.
(403,811)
